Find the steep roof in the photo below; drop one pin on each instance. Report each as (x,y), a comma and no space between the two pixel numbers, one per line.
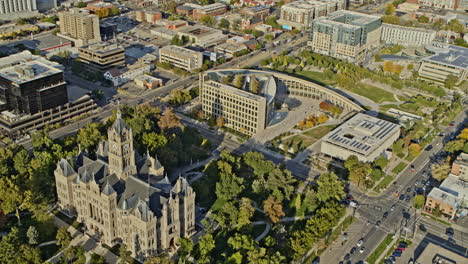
(119,124)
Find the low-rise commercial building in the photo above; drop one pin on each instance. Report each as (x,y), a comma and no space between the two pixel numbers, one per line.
(197,11)
(406,36)
(48,45)
(363,136)
(447,60)
(148,82)
(202,36)
(460,167)
(259,11)
(148,16)
(181,57)
(229,50)
(345,35)
(121,76)
(299,14)
(442,4)
(436,254)
(450,198)
(102,56)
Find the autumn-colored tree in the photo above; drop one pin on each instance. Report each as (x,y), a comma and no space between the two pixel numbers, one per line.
(322,119)
(464,134)
(273,208)
(169,120)
(414,149)
(219,121)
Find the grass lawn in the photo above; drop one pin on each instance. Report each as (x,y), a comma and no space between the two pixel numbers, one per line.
(388,106)
(305,141)
(316,76)
(373,93)
(319,132)
(399,168)
(218,205)
(383,183)
(380,249)
(437,219)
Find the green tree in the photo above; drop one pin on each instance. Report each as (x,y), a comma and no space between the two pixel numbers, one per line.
(351,161)
(185,249)
(205,246)
(9,246)
(15,195)
(391,20)
(63,237)
(238,81)
(224,23)
(454,145)
(451,81)
(154,141)
(455,26)
(381,162)
(390,10)
(436,211)
(125,254)
(162,259)
(254,85)
(81,4)
(208,20)
(114,11)
(229,185)
(423,19)
(418,201)
(33,235)
(330,188)
(256,33)
(246,211)
(89,136)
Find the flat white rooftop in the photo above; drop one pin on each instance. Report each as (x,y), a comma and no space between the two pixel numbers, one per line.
(362,134)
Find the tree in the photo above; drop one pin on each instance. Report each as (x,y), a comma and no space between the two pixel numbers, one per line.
(455,26)
(269,37)
(125,254)
(418,201)
(172,6)
(63,237)
(238,81)
(389,10)
(451,81)
(32,235)
(454,145)
(169,120)
(381,162)
(208,20)
(423,19)
(9,245)
(224,23)
(440,171)
(89,136)
(436,211)
(15,195)
(330,188)
(186,248)
(219,121)
(254,85)
(162,259)
(391,20)
(114,11)
(256,33)
(205,246)
(229,185)
(246,211)
(154,141)
(351,161)
(81,4)
(414,149)
(273,208)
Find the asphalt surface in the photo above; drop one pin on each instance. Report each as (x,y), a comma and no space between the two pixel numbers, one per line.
(403,216)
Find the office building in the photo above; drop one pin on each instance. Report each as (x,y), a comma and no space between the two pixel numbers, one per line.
(299,14)
(107,30)
(102,56)
(121,76)
(229,49)
(202,36)
(16,6)
(406,36)
(122,197)
(345,35)
(197,11)
(259,11)
(249,107)
(151,17)
(48,45)
(45,5)
(442,4)
(363,136)
(30,84)
(79,26)
(181,57)
(447,60)
(460,167)
(451,197)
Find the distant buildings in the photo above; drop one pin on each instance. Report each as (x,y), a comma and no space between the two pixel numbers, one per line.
(345,35)
(148,16)
(122,197)
(363,136)
(47,45)
(299,14)
(79,26)
(202,36)
(259,11)
(8,7)
(34,94)
(447,60)
(442,4)
(197,11)
(102,56)
(181,57)
(406,36)
(460,167)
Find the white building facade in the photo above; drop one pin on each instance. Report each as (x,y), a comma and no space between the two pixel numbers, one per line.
(406,36)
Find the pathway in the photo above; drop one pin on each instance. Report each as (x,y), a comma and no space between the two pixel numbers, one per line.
(48,243)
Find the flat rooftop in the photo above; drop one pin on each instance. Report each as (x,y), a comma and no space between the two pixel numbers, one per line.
(102,47)
(362,134)
(197,30)
(28,71)
(434,254)
(451,55)
(175,50)
(46,42)
(309,4)
(453,185)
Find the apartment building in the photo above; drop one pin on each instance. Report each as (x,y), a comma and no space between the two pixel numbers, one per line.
(197,11)
(299,14)
(259,11)
(151,17)
(123,197)
(181,57)
(102,56)
(17,6)
(363,136)
(450,197)
(442,4)
(345,35)
(406,36)
(79,26)
(447,60)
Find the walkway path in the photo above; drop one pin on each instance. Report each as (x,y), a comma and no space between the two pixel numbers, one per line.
(48,243)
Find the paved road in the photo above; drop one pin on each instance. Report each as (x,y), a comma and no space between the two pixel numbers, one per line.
(372,208)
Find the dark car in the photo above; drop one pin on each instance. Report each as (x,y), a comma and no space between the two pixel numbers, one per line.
(387,261)
(452,123)
(402,197)
(378,223)
(429,147)
(451,240)
(422,228)
(385,215)
(353,250)
(402,244)
(408,190)
(449,231)
(396,254)
(346,257)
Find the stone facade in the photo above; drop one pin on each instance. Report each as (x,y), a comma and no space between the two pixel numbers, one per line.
(124,198)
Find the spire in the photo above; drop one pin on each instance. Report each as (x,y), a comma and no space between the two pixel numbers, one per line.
(119,114)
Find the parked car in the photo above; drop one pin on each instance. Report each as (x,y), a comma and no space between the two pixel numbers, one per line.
(422,228)
(392,208)
(452,123)
(385,215)
(402,197)
(402,244)
(360,242)
(362,250)
(353,250)
(378,223)
(449,232)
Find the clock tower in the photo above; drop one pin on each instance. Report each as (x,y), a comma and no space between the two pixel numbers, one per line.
(121,152)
